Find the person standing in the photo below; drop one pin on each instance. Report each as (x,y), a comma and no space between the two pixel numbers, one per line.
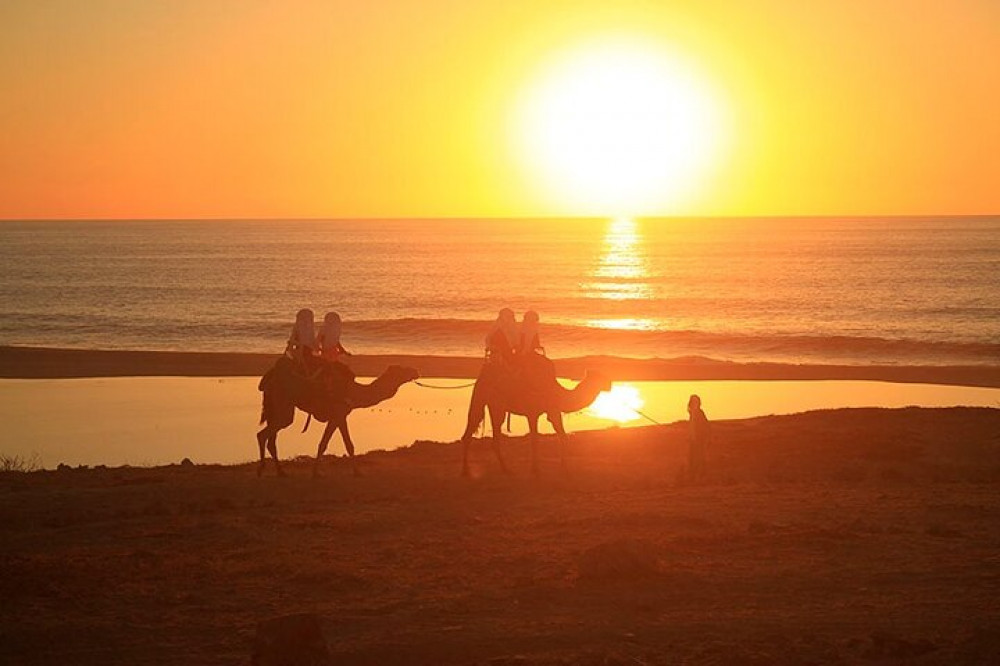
(699,437)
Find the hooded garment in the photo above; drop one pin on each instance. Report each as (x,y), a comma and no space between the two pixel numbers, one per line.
(303,332)
(329,337)
(505,326)
(529,333)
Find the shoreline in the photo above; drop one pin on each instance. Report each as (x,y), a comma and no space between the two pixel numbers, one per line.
(59,363)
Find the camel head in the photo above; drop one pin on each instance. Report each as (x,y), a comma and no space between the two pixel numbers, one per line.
(598,379)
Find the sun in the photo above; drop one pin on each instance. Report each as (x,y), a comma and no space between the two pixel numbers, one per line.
(618,404)
(621,127)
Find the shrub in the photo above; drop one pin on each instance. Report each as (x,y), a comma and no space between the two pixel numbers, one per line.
(16,463)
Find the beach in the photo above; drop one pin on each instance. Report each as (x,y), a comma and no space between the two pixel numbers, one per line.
(499,333)
(830,535)
(837,536)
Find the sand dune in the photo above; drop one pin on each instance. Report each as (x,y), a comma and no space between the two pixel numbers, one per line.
(826,537)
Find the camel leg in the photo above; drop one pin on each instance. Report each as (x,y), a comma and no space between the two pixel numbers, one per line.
(533,435)
(496,421)
(555,418)
(465,454)
(345,433)
(324,441)
(272,447)
(475,418)
(262,438)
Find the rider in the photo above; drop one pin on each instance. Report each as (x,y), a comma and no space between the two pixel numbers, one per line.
(530,358)
(302,342)
(501,339)
(329,338)
(529,342)
(337,376)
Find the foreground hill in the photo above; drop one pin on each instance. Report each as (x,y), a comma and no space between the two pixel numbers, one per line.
(825,537)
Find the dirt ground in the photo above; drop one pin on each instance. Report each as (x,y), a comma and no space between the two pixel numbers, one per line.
(848,536)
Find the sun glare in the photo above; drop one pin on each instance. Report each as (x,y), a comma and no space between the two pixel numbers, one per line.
(620,128)
(618,404)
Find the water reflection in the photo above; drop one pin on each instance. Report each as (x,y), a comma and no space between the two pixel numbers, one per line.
(621,272)
(620,404)
(623,324)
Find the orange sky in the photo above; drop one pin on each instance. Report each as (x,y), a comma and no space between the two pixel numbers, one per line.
(242,108)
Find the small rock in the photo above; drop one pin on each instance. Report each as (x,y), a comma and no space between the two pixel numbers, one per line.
(291,640)
(187,463)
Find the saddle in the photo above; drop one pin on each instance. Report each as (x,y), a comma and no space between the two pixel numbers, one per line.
(313,388)
(530,373)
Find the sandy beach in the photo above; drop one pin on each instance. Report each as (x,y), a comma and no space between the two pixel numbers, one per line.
(827,537)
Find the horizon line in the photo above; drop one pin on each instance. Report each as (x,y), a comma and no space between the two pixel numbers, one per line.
(418,218)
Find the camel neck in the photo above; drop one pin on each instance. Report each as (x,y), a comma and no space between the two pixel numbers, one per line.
(368,395)
(578,397)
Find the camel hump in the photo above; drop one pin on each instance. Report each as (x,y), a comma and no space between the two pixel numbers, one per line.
(338,369)
(531,371)
(280,368)
(541,367)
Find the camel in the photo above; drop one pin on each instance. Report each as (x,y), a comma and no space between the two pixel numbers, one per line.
(504,392)
(284,390)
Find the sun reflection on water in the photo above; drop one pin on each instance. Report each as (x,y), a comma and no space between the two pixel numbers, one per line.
(624,324)
(621,273)
(619,404)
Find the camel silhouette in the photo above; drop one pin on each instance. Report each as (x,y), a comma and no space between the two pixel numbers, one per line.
(284,390)
(530,393)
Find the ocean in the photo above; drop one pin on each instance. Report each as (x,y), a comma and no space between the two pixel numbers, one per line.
(808,290)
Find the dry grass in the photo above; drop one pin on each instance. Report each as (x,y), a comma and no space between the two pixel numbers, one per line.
(19,464)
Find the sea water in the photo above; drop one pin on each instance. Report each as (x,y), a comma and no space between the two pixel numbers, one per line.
(812,290)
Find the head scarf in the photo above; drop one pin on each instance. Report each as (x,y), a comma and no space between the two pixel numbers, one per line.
(529,330)
(304,333)
(331,329)
(505,323)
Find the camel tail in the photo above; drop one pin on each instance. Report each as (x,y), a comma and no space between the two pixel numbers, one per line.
(477,416)
(308,421)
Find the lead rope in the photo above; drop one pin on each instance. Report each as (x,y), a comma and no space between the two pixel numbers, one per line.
(431,386)
(647,417)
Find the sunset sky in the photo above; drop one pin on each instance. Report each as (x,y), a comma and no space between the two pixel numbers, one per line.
(242,108)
